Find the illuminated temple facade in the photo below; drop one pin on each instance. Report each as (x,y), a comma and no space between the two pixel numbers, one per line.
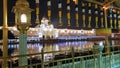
(45,30)
(72,19)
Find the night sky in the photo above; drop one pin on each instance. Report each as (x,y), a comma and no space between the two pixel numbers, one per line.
(54,14)
(43,11)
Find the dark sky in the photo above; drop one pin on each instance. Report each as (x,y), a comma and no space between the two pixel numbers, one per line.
(54,15)
(11,15)
(43,12)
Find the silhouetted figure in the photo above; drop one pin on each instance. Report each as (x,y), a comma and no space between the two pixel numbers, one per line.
(10,51)
(1,52)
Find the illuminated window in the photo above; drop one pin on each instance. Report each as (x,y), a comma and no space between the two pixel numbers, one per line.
(23,18)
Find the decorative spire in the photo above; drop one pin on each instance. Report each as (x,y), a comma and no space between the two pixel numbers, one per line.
(76,13)
(83,14)
(37,12)
(60,13)
(49,9)
(68,12)
(89,15)
(96,15)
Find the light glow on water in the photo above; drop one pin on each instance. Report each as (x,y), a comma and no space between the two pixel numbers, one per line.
(37,47)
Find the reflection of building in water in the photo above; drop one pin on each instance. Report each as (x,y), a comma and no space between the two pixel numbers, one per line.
(78,45)
(37,47)
(116,37)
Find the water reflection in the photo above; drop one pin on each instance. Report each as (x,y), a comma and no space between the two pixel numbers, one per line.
(36,47)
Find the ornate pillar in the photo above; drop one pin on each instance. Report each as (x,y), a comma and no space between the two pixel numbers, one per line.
(23,21)
(5,35)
